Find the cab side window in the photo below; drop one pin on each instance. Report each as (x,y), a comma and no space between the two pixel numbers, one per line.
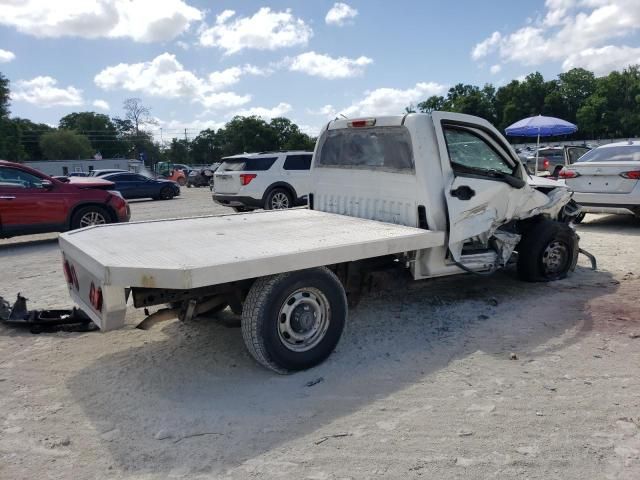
(14,178)
(470,152)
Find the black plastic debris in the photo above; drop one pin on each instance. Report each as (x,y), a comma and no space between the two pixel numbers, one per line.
(71,320)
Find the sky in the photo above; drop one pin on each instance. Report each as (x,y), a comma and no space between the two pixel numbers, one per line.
(196,63)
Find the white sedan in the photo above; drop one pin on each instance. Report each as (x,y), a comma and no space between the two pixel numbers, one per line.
(607,179)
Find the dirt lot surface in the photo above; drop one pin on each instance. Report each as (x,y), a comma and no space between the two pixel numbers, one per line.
(422,385)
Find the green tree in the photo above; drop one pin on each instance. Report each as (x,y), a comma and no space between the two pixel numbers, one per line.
(433,103)
(575,86)
(289,135)
(101,131)
(65,144)
(30,136)
(178,151)
(206,147)
(11,141)
(247,134)
(4,96)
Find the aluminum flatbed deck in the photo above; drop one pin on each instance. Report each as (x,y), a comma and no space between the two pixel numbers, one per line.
(201,251)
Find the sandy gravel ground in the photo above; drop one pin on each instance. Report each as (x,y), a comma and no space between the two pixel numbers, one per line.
(422,384)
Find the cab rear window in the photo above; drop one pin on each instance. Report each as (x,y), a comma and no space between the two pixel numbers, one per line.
(378,148)
(247,164)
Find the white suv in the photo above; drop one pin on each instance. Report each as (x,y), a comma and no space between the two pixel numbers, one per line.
(269,180)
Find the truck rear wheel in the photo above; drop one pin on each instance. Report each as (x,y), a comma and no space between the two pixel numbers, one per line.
(547,251)
(293,321)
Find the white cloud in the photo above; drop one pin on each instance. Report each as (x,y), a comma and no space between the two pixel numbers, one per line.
(265,30)
(165,76)
(495,69)
(141,20)
(321,65)
(6,56)
(386,101)
(268,113)
(603,60)
(487,46)
(340,14)
(101,104)
(43,92)
(569,31)
(311,130)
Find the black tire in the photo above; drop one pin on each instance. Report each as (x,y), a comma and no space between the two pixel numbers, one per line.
(90,215)
(278,199)
(181,181)
(166,193)
(265,330)
(547,251)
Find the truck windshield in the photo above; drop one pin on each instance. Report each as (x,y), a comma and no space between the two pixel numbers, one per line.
(379,148)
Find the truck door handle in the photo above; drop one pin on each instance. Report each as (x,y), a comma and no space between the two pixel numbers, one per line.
(6,197)
(463,192)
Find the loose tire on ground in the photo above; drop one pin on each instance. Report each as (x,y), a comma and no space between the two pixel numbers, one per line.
(547,251)
(280,310)
(88,216)
(278,199)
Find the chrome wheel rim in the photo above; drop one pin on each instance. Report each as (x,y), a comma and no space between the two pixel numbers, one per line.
(303,319)
(555,258)
(279,200)
(92,218)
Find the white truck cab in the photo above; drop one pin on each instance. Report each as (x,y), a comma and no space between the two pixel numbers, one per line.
(438,193)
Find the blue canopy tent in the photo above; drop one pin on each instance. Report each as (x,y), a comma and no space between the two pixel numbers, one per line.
(540,126)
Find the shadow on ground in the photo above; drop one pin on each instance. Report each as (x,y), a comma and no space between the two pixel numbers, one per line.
(621,224)
(196,401)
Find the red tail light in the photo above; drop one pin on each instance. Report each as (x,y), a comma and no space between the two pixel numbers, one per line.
(95,297)
(67,272)
(74,278)
(245,178)
(633,175)
(564,173)
(545,163)
(365,122)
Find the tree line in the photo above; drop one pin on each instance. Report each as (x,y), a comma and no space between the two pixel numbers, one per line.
(84,134)
(602,107)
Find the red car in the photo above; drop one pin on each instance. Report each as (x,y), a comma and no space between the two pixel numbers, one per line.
(32,202)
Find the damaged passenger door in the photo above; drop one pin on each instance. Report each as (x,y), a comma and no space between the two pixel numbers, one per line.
(484,182)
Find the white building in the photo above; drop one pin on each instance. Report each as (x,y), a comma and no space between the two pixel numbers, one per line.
(65,167)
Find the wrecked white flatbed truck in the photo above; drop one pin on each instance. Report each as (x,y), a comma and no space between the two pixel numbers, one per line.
(439,194)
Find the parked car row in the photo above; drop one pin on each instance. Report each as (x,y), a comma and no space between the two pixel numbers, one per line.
(605,179)
(550,160)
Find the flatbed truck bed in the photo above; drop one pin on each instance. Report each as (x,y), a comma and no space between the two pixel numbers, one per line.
(191,253)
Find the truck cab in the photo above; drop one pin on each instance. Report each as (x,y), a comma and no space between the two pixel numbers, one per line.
(442,171)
